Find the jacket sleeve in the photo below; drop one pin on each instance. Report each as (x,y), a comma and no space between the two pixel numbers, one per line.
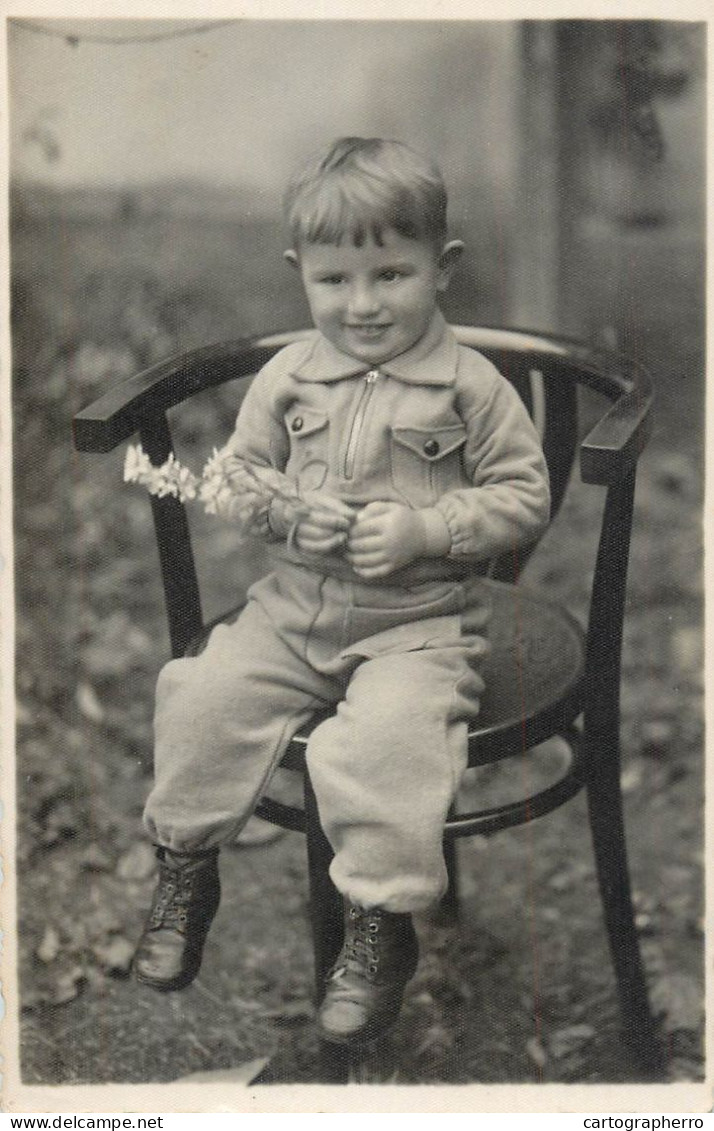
(509,503)
(247,473)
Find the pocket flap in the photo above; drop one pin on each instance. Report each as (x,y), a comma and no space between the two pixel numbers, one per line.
(431,444)
(411,637)
(302,421)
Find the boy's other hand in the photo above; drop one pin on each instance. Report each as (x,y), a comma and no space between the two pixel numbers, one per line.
(326,524)
(386,536)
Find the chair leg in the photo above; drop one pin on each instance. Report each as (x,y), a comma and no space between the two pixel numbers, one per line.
(608,834)
(602,738)
(326,914)
(449,906)
(447,912)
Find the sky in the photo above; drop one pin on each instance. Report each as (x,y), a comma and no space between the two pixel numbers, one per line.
(247,99)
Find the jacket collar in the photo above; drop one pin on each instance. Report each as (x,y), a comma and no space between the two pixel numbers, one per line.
(430,361)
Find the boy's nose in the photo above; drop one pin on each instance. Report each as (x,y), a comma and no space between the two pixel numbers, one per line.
(363,301)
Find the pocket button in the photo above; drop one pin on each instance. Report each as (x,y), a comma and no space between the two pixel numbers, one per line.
(297,424)
(431,448)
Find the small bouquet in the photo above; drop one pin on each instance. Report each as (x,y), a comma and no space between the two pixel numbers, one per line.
(228,487)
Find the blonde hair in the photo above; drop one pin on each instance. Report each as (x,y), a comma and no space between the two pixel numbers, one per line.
(359,187)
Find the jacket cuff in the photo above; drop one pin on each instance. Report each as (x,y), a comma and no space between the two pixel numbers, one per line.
(437,536)
(461,538)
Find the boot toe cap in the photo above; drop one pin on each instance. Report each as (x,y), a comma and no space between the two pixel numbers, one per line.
(163,963)
(344,1021)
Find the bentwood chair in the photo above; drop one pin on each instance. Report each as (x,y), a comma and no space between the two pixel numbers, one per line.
(546,675)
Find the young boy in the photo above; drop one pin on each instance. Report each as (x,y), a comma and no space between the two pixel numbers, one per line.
(415,463)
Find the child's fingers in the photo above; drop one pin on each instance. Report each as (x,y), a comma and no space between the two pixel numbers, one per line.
(382,569)
(364,541)
(366,528)
(329,520)
(325,545)
(377,507)
(325,521)
(366,557)
(321,503)
(313,532)
(317,539)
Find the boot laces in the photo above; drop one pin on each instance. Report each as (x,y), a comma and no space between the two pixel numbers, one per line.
(173,898)
(361,948)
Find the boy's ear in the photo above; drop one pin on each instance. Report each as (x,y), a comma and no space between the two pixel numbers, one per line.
(448,258)
(291,256)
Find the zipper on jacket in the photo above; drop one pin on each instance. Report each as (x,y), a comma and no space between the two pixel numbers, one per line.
(358,422)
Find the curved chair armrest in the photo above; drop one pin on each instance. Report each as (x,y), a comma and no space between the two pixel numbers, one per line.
(120,412)
(610,451)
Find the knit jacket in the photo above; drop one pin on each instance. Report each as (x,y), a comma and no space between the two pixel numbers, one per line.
(436,427)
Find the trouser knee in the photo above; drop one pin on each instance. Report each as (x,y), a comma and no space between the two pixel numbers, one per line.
(189,696)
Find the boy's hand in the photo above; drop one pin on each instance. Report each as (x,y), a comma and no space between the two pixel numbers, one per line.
(326,526)
(386,536)
(323,522)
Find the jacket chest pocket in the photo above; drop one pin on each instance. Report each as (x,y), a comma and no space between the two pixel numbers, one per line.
(308,434)
(425,463)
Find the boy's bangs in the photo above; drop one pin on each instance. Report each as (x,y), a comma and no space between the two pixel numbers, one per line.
(359,188)
(356,213)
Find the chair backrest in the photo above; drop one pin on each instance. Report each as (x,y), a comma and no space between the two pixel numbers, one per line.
(545,370)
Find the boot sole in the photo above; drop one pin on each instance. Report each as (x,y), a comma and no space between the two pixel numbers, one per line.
(361,1040)
(180,982)
(371,1032)
(165,987)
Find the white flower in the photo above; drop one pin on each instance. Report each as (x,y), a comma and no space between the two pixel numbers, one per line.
(228,486)
(169,479)
(216,496)
(137,465)
(180,480)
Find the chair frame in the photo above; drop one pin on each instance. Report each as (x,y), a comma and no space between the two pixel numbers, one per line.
(608,457)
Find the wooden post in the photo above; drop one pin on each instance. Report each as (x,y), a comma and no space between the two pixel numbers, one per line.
(534,275)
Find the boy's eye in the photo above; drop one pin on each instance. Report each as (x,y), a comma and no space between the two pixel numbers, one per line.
(390,274)
(332,280)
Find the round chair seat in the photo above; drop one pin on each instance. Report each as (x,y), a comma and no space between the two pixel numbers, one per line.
(533,674)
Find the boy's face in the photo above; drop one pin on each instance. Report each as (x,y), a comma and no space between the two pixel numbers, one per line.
(374,302)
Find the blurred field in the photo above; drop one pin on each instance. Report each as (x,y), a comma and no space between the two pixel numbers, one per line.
(524,991)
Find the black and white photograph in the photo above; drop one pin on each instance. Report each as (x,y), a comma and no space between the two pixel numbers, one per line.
(354,680)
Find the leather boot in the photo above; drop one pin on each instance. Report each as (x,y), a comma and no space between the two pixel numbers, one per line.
(185,901)
(366,985)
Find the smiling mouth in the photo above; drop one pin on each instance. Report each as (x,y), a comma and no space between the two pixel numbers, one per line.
(370,330)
